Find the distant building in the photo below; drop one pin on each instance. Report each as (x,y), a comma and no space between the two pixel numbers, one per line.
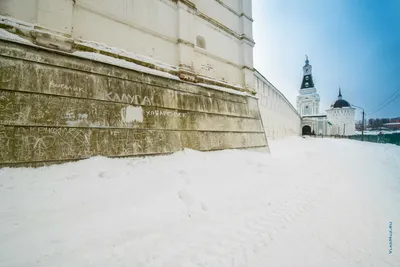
(338,120)
(313,122)
(393,124)
(342,117)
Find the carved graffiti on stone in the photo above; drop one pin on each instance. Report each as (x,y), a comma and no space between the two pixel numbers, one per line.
(159,113)
(8,71)
(5,144)
(34,144)
(65,87)
(43,143)
(127,98)
(126,142)
(74,118)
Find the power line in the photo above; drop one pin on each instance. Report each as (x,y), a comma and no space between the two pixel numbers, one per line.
(386,104)
(379,107)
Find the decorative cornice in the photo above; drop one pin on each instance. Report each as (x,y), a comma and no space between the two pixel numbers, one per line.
(232,10)
(192,5)
(77,46)
(244,15)
(53,32)
(249,68)
(228,7)
(206,80)
(40,36)
(218,24)
(48,39)
(51,40)
(187,76)
(248,40)
(225,28)
(181,41)
(188,3)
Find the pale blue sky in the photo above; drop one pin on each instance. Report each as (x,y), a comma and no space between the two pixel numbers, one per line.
(354,44)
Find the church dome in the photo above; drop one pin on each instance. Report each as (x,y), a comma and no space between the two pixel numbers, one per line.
(340,103)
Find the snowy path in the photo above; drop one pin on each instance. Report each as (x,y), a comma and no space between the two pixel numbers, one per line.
(312,202)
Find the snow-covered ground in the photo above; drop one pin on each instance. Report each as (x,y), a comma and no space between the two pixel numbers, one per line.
(311,202)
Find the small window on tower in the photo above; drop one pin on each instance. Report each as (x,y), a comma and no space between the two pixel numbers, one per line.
(201,42)
(307,78)
(306,84)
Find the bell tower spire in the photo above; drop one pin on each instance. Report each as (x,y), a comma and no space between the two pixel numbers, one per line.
(340,93)
(307,76)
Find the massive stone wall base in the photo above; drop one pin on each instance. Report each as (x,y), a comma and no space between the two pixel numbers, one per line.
(55,107)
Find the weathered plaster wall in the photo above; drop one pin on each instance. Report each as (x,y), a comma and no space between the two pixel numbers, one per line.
(56,107)
(164,30)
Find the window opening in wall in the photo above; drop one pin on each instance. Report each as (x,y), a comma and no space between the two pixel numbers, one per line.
(200,42)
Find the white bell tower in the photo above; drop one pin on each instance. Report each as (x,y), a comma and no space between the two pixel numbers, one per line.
(308,99)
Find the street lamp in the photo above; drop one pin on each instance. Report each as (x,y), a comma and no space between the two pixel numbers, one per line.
(362,129)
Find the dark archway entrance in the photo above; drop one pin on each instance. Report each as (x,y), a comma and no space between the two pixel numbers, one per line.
(306,130)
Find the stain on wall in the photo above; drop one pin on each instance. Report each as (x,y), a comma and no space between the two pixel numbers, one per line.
(57,107)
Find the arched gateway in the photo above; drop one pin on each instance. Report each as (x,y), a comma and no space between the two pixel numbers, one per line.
(306,130)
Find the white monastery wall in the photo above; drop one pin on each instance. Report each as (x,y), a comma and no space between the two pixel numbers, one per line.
(209,39)
(280,118)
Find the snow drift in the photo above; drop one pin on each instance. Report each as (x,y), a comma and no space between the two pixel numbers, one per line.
(311,202)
